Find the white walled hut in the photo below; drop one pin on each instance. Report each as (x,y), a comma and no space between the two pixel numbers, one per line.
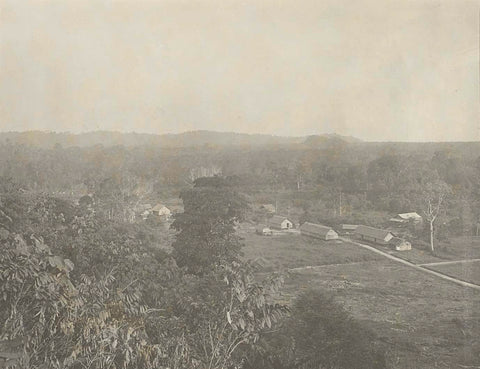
(263,230)
(375,235)
(399,244)
(161,211)
(280,222)
(318,231)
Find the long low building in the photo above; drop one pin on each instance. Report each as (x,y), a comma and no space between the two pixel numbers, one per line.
(380,236)
(407,217)
(318,231)
(348,228)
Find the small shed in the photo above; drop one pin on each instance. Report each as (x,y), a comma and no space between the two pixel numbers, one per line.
(263,230)
(161,211)
(318,231)
(280,222)
(399,244)
(380,236)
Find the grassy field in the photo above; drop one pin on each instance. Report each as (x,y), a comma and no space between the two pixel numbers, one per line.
(458,248)
(414,255)
(424,322)
(291,250)
(469,272)
(461,248)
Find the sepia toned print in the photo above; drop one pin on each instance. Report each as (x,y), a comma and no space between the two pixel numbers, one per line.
(206,184)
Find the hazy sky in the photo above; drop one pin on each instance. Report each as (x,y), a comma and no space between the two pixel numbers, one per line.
(398,70)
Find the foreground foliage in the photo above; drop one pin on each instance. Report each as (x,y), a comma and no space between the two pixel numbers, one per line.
(319,334)
(68,323)
(105,297)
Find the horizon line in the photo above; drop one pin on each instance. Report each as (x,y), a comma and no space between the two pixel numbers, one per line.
(223,132)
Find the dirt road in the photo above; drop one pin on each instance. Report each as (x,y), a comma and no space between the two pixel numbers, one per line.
(450,262)
(420,267)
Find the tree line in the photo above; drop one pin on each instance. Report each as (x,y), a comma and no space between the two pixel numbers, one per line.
(339,181)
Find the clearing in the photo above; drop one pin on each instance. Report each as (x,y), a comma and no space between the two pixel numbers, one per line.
(425,322)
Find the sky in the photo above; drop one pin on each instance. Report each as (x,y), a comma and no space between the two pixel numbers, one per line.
(379,70)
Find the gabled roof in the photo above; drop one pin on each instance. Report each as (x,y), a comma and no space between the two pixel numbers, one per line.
(397,220)
(159,207)
(319,229)
(278,219)
(407,216)
(349,227)
(372,232)
(397,241)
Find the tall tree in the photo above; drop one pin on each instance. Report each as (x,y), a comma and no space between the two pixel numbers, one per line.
(207,226)
(434,196)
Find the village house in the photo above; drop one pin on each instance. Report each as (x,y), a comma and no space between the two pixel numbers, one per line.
(263,230)
(399,244)
(379,236)
(404,218)
(280,222)
(318,231)
(161,211)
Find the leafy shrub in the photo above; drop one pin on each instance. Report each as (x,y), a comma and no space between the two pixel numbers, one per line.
(104,296)
(319,334)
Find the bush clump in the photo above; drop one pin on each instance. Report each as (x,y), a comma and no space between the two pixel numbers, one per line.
(320,334)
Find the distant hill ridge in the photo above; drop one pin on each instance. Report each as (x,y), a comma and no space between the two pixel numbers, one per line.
(47,139)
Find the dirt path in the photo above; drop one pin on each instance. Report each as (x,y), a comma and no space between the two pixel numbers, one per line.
(414,266)
(313,267)
(449,262)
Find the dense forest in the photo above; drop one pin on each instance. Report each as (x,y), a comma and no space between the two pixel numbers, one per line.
(327,178)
